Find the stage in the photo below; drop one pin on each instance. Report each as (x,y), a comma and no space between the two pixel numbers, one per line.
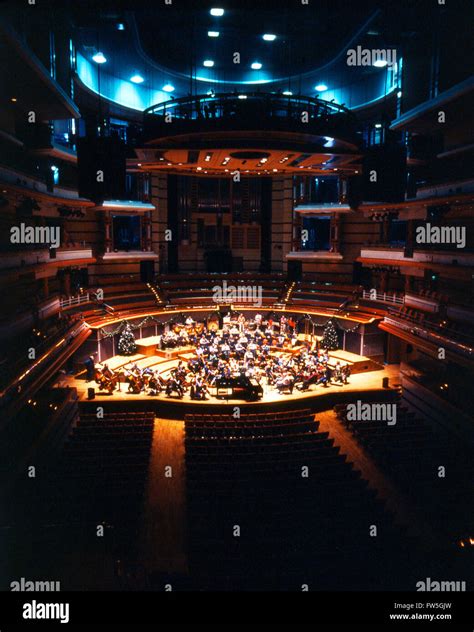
(366,375)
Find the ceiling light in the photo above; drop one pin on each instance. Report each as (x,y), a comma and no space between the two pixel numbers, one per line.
(99,58)
(168,88)
(217,13)
(120,26)
(378,125)
(288,93)
(256,65)
(13,99)
(321,87)
(269,37)
(399,93)
(242,96)
(208,63)
(137,79)
(213,33)
(380,63)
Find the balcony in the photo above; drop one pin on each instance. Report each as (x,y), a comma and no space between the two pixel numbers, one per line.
(253,132)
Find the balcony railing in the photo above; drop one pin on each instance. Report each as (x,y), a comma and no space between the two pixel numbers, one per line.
(251,110)
(384,297)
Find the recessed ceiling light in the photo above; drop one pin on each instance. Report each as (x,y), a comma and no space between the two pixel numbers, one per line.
(321,87)
(269,37)
(208,63)
(217,13)
(288,93)
(380,63)
(256,65)
(99,58)
(137,79)
(213,33)
(168,87)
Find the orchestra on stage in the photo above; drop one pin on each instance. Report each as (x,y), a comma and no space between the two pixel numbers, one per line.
(257,351)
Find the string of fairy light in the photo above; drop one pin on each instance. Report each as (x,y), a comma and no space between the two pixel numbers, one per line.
(173,321)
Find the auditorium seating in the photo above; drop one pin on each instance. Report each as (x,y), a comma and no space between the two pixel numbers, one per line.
(307,292)
(250,472)
(199,288)
(102,472)
(411,452)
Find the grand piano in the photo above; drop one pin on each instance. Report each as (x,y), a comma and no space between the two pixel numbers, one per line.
(240,387)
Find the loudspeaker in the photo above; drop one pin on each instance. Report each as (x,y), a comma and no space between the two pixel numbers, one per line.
(295,270)
(384,173)
(101,168)
(91,393)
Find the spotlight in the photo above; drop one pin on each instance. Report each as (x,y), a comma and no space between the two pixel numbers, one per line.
(168,87)
(99,58)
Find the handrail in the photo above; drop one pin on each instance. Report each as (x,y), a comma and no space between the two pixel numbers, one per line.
(384,297)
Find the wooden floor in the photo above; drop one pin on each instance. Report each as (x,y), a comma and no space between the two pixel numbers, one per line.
(162,542)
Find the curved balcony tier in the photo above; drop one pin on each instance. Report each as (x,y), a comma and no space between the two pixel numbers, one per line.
(256,133)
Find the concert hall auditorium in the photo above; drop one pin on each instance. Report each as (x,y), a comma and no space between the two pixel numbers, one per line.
(236,319)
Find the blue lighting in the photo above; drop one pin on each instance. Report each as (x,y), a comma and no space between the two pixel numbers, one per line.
(217,13)
(208,63)
(256,65)
(321,87)
(288,93)
(213,33)
(168,88)
(120,26)
(99,58)
(269,37)
(137,79)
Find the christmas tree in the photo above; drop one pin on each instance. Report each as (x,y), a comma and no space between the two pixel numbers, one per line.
(330,340)
(126,343)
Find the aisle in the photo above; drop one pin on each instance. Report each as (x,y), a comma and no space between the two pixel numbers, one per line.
(162,539)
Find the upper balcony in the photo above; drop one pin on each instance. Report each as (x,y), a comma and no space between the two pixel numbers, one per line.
(256,133)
